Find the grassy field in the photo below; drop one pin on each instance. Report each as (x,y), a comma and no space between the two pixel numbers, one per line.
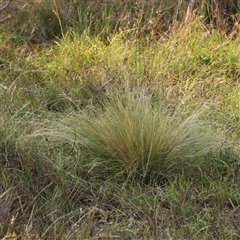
(116,124)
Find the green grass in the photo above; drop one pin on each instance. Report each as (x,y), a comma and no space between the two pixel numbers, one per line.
(117,126)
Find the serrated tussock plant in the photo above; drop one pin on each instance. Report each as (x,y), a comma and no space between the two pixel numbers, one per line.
(139,136)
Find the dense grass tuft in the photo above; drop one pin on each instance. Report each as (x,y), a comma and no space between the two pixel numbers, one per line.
(140,137)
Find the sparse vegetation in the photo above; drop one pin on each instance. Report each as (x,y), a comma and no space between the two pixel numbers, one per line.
(118,121)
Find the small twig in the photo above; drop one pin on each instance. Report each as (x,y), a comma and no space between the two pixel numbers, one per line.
(4,87)
(178,9)
(4,19)
(105,84)
(4,6)
(189,10)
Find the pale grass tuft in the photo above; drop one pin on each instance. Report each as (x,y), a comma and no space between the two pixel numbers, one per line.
(139,136)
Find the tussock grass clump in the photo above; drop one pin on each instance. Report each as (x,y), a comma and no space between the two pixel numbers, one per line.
(135,135)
